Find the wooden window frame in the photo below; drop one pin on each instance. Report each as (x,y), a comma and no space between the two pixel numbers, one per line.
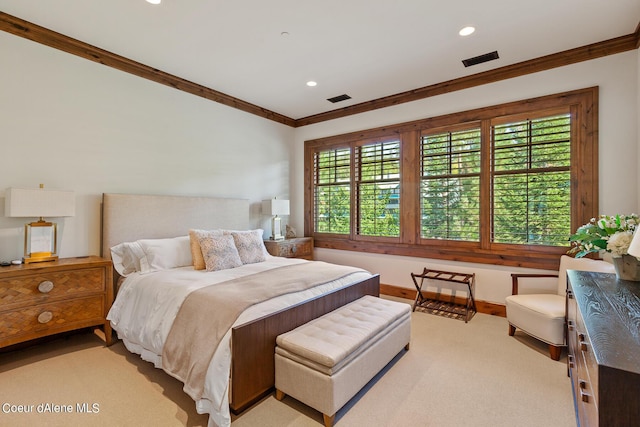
(583,106)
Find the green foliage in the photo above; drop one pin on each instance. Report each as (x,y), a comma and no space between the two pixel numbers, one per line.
(531,185)
(607,233)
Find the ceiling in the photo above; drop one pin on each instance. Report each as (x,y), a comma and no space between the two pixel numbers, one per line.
(368,49)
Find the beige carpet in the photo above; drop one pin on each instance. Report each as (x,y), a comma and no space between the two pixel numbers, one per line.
(455,374)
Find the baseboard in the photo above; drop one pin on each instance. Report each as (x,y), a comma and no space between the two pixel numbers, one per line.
(482,306)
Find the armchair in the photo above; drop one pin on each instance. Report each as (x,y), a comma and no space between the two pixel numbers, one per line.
(543,315)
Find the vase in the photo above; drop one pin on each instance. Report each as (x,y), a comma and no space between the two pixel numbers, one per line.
(627,268)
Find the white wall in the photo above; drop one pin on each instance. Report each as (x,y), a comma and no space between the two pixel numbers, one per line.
(73,124)
(618,78)
(76,125)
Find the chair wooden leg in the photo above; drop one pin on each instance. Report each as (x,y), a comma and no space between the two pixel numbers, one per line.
(512,330)
(555,351)
(279,394)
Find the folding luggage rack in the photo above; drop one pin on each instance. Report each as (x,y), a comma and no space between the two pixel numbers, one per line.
(466,310)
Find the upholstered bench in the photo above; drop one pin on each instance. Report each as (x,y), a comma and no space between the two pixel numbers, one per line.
(325,362)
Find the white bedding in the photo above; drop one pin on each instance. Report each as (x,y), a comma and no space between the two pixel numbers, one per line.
(147,303)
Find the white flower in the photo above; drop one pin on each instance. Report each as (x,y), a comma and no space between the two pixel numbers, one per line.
(618,243)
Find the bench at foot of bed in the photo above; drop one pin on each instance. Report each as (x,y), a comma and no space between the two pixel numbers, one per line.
(325,362)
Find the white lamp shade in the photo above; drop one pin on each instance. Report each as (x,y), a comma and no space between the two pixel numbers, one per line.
(39,202)
(634,247)
(275,207)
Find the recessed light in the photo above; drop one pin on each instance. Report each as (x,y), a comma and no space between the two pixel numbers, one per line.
(466,31)
(154,1)
(311,83)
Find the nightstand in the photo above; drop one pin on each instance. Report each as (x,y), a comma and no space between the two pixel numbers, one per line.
(298,247)
(47,298)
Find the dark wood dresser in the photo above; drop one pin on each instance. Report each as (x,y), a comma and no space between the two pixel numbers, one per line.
(603,338)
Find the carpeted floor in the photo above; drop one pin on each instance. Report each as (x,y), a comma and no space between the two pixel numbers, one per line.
(455,374)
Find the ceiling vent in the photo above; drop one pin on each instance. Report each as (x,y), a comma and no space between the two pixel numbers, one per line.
(480,59)
(339,98)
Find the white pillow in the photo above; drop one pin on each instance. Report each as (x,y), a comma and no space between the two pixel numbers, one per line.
(164,254)
(219,252)
(250,246)
(151,254)
(126,257)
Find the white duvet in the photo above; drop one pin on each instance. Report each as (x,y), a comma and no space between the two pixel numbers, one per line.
(146,305)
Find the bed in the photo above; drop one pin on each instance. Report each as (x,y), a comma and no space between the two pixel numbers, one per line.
(250,343)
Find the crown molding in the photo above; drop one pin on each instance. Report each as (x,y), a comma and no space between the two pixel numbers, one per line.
(36,33)
(567,57)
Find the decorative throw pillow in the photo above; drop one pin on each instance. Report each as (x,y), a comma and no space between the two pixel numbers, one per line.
(219,253)
(196,251)
(250,246)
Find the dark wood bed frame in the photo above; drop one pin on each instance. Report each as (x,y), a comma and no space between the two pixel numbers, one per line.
(129,217)
(253,371)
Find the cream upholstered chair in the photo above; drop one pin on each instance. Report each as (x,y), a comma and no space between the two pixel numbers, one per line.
(542,315)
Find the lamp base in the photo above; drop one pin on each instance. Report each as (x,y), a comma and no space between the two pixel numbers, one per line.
(39,257)
(40,242)
(276,229)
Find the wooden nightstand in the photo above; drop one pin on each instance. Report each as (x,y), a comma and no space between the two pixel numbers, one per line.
(46,298)
(298,247)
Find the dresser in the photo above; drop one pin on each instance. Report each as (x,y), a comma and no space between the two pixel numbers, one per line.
(297,247)
(603,338)
(47,298)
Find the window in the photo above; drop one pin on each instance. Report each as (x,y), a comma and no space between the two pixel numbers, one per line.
(332,188)
(450,185)
(378,183)
(531,178)
(505,184)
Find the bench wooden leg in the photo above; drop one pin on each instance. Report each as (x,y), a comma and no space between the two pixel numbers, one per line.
(328,420)
(512,330)
(280,394)
(555,351)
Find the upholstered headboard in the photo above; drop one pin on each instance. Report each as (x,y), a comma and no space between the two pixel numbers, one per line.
(130,217)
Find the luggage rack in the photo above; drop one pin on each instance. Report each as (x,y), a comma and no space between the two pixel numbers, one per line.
(467,310)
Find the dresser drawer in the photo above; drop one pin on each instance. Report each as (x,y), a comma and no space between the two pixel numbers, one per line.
(588,366)
(45,319)
(39,287)
(587,406)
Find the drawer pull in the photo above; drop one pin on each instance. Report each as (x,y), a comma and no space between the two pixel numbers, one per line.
(294,249)
(570,325)
(45,286)
(45,317)
(583,344)
(583,396)
(571,362)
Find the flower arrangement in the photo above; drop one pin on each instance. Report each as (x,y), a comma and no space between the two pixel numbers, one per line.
(611,234)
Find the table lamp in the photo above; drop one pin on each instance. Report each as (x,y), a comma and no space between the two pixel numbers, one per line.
(40,237)
(275,207)
(634,247)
